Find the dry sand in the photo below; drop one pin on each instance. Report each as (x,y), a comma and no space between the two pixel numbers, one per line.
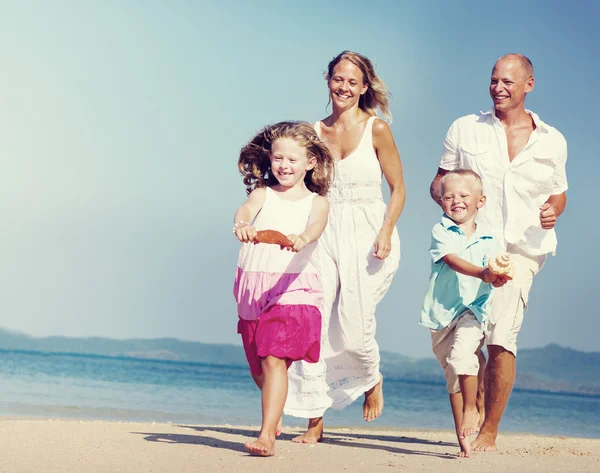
(71,446)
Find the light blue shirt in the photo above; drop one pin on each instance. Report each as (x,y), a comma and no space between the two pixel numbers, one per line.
(451,293)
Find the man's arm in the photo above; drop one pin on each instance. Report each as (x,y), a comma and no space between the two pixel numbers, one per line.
(556,203)
(450,160)
(434,188)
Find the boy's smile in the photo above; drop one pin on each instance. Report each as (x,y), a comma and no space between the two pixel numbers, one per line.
(461,198)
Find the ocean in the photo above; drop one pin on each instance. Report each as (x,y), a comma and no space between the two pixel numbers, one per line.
(73,386)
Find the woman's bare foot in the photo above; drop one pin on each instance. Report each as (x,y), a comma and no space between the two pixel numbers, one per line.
(262,446)
(465,446)
(313,434)
(373,405)
(485,443)
(279,427)
(469,424)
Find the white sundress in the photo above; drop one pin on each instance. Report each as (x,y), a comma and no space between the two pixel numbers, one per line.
(354,282)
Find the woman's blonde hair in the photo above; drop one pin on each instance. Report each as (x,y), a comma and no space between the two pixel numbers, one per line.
(377,95)
(254,163)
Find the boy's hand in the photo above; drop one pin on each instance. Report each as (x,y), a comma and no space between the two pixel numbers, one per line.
(245,233)
(500,281)
(298,242)
(487,276)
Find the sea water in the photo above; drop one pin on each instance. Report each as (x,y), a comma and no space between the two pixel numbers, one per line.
(54,385)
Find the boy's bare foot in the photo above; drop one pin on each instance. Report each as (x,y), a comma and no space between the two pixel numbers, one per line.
(373,405)
(469,424)
(465,447)
(484,443)
(313,434)
(279,427)
(262,446)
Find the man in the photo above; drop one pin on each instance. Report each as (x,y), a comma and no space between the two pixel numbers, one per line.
(521,161)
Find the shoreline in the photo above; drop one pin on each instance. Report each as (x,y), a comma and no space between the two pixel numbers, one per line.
(97,446)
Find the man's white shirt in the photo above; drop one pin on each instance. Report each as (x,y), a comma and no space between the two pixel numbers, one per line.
(515,190)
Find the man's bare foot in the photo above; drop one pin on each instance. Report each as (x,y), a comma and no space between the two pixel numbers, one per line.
(465,446)
(313,434)
(373,405)
(262,446)
(279,427)
(469,424)
(484,443)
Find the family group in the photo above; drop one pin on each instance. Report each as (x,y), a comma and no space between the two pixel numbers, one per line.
(320,249)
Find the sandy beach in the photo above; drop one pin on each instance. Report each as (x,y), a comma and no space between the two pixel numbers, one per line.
(65,446)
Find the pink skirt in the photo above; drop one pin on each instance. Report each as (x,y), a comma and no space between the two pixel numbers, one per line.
(288,332)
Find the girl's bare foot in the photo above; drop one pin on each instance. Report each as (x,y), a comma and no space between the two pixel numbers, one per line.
(313,434)
(279,427)
(262,446)
(373,405)
(470,422)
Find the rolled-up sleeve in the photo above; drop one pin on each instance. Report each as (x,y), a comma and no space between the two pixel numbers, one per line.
(559,177)
(450,159)
(442,243)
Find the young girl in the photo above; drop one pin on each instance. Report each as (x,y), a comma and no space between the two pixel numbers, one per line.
(287,171)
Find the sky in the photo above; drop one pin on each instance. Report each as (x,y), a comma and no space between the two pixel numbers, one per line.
(121,124)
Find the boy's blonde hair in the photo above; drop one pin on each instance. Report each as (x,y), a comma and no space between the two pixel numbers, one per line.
(462,173)
(254,163)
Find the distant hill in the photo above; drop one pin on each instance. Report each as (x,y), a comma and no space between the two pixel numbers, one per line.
(550,368)
(555,368)
(157,348)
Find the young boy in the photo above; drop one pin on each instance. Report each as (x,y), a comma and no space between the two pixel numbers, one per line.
(457,297)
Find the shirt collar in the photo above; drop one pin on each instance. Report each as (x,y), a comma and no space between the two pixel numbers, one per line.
(449,224)
(539,124)
(481,232)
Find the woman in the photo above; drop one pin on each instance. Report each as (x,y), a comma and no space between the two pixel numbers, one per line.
(360,247)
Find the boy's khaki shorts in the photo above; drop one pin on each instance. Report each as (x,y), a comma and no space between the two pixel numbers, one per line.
(455,347)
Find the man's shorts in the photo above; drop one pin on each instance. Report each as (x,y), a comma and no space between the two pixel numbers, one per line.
(455,347)
(509,302)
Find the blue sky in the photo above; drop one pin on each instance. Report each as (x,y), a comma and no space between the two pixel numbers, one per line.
(122,122)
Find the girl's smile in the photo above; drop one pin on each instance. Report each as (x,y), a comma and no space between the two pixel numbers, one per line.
(289,162)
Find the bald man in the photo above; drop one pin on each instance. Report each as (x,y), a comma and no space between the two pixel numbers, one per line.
(521,161)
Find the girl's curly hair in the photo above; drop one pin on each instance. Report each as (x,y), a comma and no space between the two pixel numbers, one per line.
(255,166)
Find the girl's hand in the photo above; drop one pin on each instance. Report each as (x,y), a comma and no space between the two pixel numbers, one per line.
(245,233)
(382,245)
(298,242)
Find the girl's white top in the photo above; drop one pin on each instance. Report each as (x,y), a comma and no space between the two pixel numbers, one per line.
(268,275)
